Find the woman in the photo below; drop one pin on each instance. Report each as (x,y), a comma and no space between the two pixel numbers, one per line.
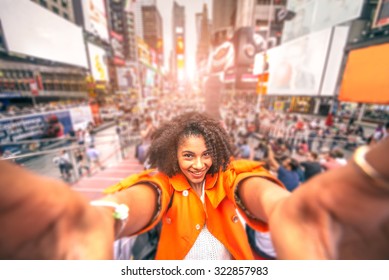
(45,219)
(192,154)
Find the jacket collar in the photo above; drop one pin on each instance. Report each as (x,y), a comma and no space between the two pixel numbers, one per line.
(214,193)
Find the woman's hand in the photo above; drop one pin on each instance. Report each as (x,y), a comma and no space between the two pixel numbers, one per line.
(42,218)
(339,214)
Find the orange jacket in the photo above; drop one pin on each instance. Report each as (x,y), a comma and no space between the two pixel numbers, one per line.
(182,223)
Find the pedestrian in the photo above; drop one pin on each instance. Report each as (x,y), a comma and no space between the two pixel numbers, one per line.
(285,168)
(146,133)
(82,163)
(329,160)
(93,156)
(64,165)
(91,132)
(329,122)
(386,131)
(311,165)
(244,149)
(80,135)
(317,221)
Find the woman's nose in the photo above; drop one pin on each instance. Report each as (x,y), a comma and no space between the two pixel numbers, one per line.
(198,163)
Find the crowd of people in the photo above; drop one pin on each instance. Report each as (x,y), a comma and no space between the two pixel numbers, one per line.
(295,147)
(213,180)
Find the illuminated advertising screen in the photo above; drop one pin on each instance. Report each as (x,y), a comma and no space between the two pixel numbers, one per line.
(296,67)
(95,18)
(381,17)
(365,77)
(117,45)
(127,77)
(34,126)
(98,63)
(312,16)
(31,30)
(150,78)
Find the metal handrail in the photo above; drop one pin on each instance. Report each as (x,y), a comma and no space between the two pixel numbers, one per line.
(68,148)
(36,141)
(57,150)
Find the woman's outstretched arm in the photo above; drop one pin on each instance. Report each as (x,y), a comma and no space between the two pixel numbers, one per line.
(339,214)
(43,218)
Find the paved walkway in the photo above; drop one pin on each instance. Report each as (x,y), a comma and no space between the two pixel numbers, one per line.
(93,185)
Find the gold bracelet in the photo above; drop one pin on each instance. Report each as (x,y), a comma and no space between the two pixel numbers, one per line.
(360,160)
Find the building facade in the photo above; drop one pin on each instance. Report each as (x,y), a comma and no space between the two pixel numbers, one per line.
(178,32)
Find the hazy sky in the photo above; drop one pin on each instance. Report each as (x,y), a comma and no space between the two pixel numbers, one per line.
(192,7)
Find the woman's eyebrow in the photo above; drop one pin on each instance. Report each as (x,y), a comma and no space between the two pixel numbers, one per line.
(187,151)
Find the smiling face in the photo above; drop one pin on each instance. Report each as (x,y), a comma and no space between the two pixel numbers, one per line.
(194,159)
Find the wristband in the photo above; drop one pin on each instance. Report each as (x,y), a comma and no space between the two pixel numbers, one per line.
(360,161)
(121,212)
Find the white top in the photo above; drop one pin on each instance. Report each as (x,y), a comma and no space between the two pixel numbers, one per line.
(207,246)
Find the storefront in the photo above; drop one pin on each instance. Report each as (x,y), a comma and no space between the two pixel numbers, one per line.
(302,104)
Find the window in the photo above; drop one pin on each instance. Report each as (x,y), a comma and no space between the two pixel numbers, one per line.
(43,3)
(64,3)
(55,10)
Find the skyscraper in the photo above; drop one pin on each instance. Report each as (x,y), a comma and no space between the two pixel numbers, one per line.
(178,42)
(152,30)
(204,43)
(223,20)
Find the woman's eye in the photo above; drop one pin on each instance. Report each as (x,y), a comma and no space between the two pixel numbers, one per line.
(187,155)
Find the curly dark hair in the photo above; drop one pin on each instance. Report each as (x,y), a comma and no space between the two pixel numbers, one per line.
(166,139)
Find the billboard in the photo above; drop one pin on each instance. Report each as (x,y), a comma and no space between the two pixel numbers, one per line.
(117,44)
(296,67)
(381,17)
(81,117)
(39,125)
(312,16)
(334,62)
(98,63)
(95,18)
(34,126)
(365,78)
(150,77)
(128,77)
(34,31)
